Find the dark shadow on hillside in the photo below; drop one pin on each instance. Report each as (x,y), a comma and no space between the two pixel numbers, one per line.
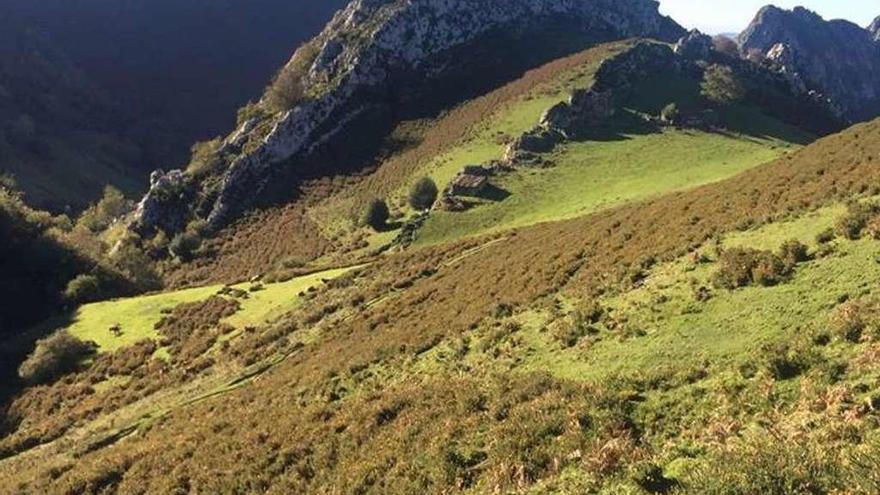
(622,127)
(494,193)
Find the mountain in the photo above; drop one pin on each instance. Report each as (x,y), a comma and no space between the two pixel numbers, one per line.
(375,64)
(874,28)
(152,78)
(467,247)
(836,58)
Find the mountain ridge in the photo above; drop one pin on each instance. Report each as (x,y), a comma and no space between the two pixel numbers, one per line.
(378,48)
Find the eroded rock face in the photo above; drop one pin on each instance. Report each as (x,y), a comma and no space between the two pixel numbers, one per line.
(371,41)
(835,58)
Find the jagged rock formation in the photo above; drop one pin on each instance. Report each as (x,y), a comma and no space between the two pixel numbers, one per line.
(837,59)
(358,64)
(874,28)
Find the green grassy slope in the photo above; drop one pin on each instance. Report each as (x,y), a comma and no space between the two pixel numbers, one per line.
(138,316)
(625,161)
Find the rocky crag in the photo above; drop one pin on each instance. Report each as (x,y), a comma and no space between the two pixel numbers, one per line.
(357,67)
(835,59)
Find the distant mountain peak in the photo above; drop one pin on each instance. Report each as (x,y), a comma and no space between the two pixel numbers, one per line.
(837,59)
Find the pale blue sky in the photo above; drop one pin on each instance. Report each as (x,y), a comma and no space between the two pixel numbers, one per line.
(718,16)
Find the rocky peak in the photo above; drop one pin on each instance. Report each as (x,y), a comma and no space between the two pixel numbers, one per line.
(355,65)
(835,58)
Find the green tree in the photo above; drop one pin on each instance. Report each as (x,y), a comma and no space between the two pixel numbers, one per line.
(423,194)
(102,214)
(376,214)
(720,85)
(83,289)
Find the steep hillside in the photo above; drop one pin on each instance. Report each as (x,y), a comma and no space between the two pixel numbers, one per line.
(835,58)
(874,28)
(604,352)
(374,65)
(96,92)
(181,68)
(60,135)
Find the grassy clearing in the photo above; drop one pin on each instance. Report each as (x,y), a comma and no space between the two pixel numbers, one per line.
(138,316)
(591,176)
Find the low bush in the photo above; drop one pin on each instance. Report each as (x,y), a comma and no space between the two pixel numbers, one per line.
(83,289)
(855,320)
(288,89)
(793,252)
(55,356)
(856,219)
(184,245)
(741,267)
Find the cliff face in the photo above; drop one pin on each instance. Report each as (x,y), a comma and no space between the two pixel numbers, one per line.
(371,50)
(838,59)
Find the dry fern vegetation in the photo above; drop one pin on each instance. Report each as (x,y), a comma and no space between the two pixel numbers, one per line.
(715,335)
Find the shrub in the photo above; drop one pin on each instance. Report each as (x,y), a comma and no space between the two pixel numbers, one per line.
(793,252)
(741,267)
(288,90)
(376,214)
(856,219)
(825,236)
(101,215)
(853,319)
(204,158)
(184,245)
(423,194)
(83,289)
(720,85)
(670,113)
(55,356)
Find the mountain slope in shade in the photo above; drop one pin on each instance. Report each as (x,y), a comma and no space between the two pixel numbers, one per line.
(60,135)
(836,58)
(173,72)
